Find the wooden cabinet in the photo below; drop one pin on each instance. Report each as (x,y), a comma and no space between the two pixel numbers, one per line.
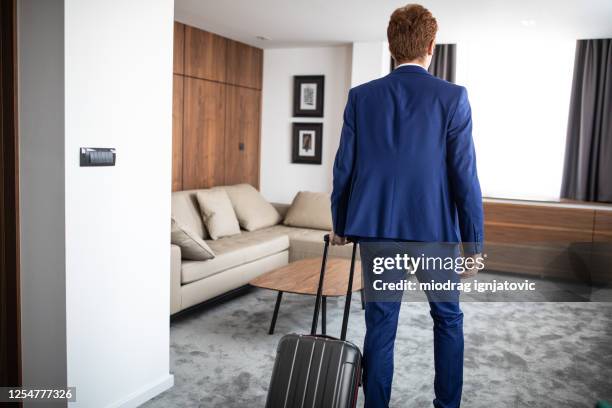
(242,112)
(244,65)
(524,223)
(601,257)
(177,133)
(602,226)
(570,243)
(203,134)
(205,54)
(179,47)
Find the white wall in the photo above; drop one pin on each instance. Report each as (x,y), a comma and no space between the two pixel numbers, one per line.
(41,176)
(280,179)
(118,94)
(95,241)
(371,60)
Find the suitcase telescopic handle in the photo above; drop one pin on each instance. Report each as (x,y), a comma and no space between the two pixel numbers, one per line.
(349,290)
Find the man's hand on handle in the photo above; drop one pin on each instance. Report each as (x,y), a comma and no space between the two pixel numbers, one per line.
(337,239)
(470,273)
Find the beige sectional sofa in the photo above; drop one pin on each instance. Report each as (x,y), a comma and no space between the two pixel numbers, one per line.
(238,258)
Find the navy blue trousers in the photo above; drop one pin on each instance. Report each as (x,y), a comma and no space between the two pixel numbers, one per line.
(381,318)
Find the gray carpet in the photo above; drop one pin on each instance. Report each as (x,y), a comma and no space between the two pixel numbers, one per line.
(516,354)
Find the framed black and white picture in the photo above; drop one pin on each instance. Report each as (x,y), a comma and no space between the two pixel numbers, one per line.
(307,143)
(308,95)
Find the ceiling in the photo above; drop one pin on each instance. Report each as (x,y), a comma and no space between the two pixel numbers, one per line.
(295,23)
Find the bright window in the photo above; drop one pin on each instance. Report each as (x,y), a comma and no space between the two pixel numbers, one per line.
(519,90)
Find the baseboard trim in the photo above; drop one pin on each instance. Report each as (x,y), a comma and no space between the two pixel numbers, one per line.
(145,393)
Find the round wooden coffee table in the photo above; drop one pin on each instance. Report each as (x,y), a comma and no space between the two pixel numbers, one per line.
(302,277)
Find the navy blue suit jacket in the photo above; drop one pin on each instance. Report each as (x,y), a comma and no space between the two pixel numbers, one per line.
(406,166)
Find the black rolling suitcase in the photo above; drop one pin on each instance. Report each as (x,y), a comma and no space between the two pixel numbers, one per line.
(317,371)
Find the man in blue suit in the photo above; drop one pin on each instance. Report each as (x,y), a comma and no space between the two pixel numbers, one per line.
(405,171)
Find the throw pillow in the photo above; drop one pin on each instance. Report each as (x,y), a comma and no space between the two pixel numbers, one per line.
(252,210)
(192,246)
(310,210)
(217,213)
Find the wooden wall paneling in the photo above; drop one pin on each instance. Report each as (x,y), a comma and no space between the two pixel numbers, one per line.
(219,124)
(179,47)
(205,54)
(242,135)
(244,65)
(177,132)
(203,134)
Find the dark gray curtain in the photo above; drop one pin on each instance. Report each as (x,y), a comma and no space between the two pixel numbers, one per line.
(444,62)
(587,172)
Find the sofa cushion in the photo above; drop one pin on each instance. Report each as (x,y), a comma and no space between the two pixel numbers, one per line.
(308,243)
(192,246)
(233,251)
(252,210)
(217,213)
(186,210)
(310,210)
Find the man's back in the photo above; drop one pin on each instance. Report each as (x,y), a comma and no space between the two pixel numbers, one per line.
(406,162)
(406,170)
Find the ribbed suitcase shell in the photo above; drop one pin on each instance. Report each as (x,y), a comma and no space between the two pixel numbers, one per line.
(314,372)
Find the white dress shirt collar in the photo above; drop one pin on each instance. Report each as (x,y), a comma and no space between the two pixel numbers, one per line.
(410,63)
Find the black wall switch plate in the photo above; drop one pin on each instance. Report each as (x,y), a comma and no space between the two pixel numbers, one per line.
(97,156)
